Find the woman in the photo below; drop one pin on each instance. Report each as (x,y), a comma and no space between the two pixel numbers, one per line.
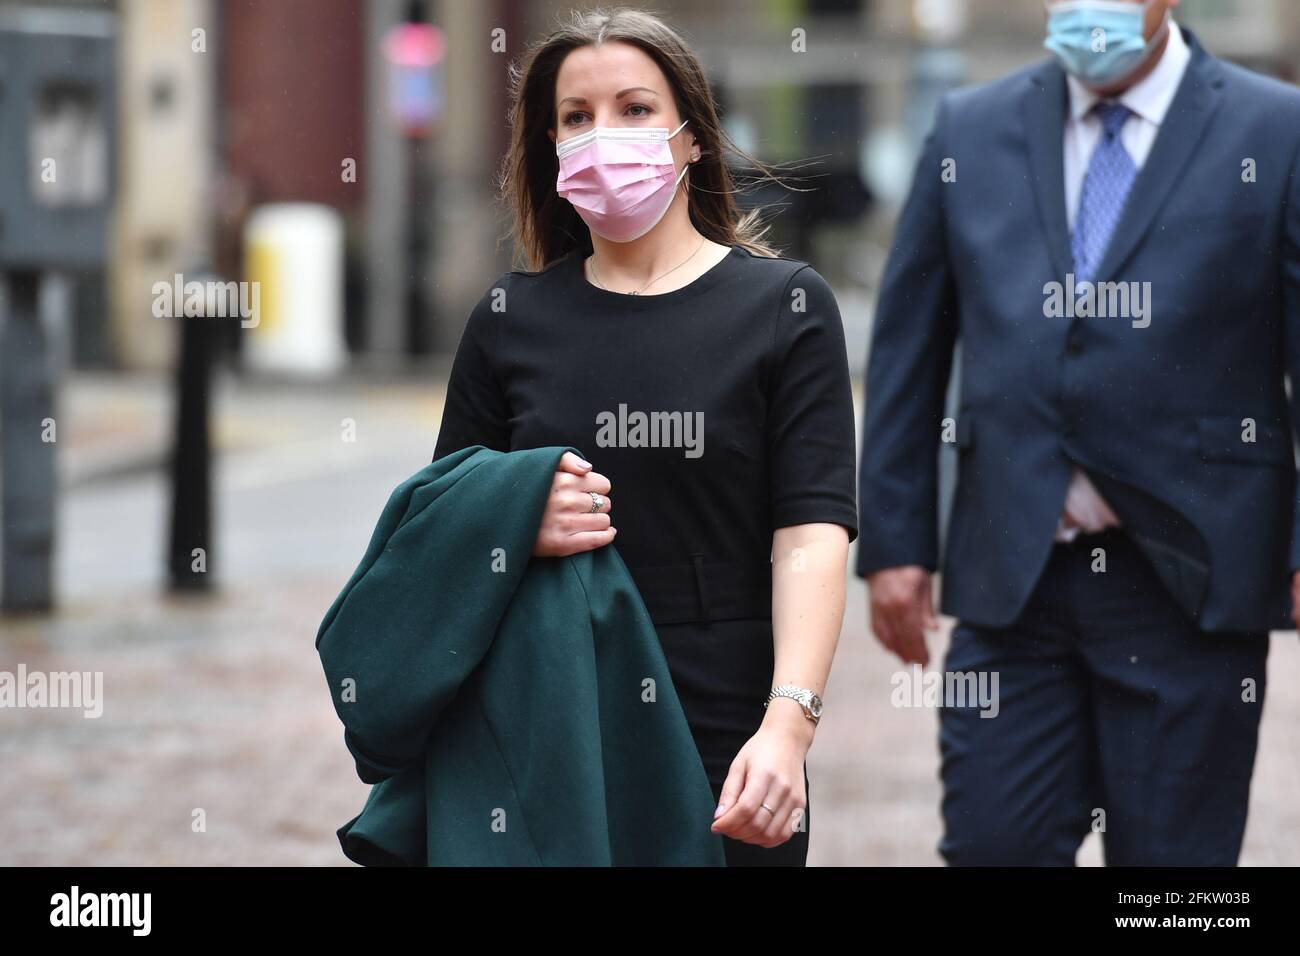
(704,375)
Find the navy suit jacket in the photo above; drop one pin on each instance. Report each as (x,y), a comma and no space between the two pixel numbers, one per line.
(1160,417)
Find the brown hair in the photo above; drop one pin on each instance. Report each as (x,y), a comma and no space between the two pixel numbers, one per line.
(545,226)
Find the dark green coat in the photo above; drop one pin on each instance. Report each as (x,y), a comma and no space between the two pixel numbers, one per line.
(510,710)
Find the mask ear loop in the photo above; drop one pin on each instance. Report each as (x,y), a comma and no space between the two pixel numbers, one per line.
(686,165)
(685,169)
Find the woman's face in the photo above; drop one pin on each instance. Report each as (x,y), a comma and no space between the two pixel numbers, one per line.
(616,84)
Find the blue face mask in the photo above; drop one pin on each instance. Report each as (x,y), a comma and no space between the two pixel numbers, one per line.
(1099,42)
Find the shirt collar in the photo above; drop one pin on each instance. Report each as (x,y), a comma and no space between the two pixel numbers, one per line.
(1151,96)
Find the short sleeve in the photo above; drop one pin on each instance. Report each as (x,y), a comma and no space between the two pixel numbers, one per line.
(476,411)
(810,425)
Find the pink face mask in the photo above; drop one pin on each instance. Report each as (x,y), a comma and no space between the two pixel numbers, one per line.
(621,180)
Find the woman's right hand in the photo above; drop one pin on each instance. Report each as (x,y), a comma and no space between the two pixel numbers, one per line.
(569,525)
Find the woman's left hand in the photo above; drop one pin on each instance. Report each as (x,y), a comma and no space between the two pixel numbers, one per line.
(768,770)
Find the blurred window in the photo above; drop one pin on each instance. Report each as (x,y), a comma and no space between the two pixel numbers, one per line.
(69,146)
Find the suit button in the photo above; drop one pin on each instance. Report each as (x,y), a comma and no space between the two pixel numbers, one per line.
(1075,347)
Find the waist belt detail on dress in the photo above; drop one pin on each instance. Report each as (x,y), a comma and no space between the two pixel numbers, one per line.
(705,590)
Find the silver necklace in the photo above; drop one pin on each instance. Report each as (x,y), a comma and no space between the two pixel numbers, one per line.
(596,275)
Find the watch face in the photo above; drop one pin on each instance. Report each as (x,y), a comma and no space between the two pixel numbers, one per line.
(816,706)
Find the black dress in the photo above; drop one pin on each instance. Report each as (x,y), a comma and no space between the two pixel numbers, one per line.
(746,368)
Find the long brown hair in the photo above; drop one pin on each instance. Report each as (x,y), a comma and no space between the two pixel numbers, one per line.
(545,226)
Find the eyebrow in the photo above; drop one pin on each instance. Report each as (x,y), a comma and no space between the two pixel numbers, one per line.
(618,96)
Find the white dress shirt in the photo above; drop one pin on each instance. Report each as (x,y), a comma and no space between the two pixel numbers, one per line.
(1149,99)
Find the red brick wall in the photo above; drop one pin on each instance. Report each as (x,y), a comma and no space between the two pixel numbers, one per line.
(291,97)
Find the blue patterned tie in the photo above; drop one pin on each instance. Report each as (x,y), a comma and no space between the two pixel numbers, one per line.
(1106,186)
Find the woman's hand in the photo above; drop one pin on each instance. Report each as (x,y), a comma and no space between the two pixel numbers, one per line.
(768,770)
(568,524)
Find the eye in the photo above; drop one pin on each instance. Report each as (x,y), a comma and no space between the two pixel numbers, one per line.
(574,118)
(644,110)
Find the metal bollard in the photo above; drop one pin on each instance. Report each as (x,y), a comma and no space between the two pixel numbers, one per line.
(189,568)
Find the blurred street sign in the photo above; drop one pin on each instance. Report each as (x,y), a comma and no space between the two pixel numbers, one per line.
(415,53)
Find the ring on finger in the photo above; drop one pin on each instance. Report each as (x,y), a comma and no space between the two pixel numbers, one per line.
(596,502)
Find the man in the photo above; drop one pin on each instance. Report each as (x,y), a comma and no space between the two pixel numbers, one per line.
(1113,236)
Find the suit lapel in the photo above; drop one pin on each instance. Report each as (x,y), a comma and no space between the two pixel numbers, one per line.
(1045,108)
(1189,114)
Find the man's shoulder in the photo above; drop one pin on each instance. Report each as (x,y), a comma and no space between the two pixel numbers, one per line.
(1257,89)
(1265,111)
(996,95)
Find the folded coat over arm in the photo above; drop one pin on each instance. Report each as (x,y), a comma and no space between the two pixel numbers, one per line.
(509,709)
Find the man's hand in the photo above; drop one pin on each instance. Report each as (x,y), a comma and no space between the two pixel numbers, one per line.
(1295,599)
(902,610)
